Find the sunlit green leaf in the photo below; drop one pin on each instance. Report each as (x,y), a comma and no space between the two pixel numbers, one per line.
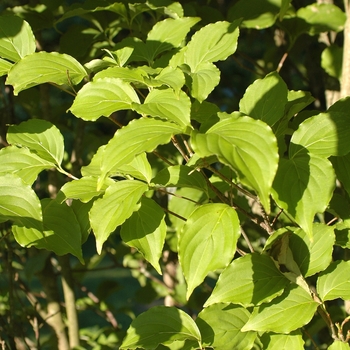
(140,135)
(166,104)
(18,202)
(265,99)
(273,341)
(4,67)
(214,42)
(325,134)
(204,80)
(83,189)
(41,137)
(158,325)
(205,248)
(297,101)
(334,282)
(102,97)
(247,281)
(339,345)
(248,146)
(171,77)
(45,67)
(180,176)
(259,14)
(331,61)
(221,324)
(118,203)
(145,230)
(127,74)
(16,38)
(22,162)
(303,187)
(81,211)
(322,17)
(286,313)
(313,256)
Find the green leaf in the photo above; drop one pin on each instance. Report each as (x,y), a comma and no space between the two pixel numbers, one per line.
(342,169)
(19,203)
(250,280)
(322,18)
(303,187)
(22,162)
(127,74)
(140,135)
(81,211)
(339,345)
(171,77)
(286,313)
(334,282)
(118,203)
(326,134)
(180,176)
(16,38)
(138,168)
(83,189)
(168,34)
(248,146)
(259,14)
(166,105)
(41,137)
(297,101)
(4,67)
(293,340)
(145,230)
(205,248)
(265,99)
(102,97)
(313,256)
(45,67)
(221,324)
(158,325)
(332,60)
(214,42)
(204,80)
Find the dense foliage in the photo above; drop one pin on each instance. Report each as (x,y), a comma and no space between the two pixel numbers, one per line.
(174,175)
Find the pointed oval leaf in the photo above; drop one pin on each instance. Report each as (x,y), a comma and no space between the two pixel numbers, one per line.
(18,202)
(265,99)
(313,256)
(248,146)
(140,135)
(158,325)
(207,242)
(128,74)
(61,229)
(166,104)
(293,340)
(303,187)
(326,134)
(41,137)
(250,280)
(170,33)
(102,97)
(45,67)
(145,230)
(334,282)
(204,80)
(259,14)
(221,324)
(180,176)
(16,38)
(339,345)
(81,211)
(139,168)
(171,77)
(83,189)
(322,18)
(286,313)
(5,66)
(332,60)
(214,42)
(118,203)
(22,162)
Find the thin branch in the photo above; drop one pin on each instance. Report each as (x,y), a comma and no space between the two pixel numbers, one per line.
(163,158)
(174,214)
(179,148)
(247,240)
(281,62)
(176,195)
